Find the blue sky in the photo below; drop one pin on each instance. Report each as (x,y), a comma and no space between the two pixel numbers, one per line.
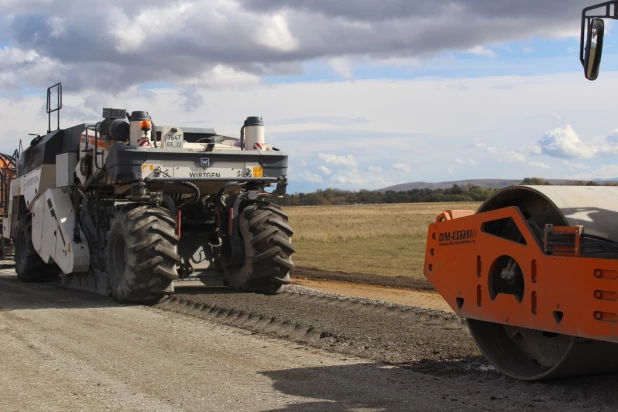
(532,57)
(360,97)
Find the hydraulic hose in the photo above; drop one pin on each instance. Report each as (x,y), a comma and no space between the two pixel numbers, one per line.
(194,199)
(222,191)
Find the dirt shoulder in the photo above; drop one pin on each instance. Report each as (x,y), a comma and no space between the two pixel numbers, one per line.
(402,296)
(362,278)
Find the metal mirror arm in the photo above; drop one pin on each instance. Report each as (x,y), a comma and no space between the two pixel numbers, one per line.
(606,10)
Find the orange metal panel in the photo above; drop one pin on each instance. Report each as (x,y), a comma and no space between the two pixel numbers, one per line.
(584,290)
(453,214)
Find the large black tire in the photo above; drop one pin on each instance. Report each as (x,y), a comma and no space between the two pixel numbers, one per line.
(28,264)
(267,238)
(142,254)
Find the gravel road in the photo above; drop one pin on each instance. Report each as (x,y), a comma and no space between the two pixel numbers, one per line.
(67,351)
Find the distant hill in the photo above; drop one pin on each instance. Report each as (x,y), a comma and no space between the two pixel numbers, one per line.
(482,183)
(611,179)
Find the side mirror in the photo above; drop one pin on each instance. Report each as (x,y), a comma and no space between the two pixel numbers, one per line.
(594,48)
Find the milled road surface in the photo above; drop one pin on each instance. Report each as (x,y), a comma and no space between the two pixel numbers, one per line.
(359,327)
(67,351)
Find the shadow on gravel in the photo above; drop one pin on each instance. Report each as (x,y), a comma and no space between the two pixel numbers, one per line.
(441,368)
(15,295)
(390,388)
(371,386)
(197,289)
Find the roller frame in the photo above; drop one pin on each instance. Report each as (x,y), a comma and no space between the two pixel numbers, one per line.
(583,289)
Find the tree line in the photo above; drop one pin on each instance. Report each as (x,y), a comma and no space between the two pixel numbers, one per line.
(457,193)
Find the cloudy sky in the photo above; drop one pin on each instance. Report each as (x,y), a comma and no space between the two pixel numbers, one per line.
(361,94)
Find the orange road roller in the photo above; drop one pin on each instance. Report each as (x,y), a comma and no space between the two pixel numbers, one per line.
(535,269)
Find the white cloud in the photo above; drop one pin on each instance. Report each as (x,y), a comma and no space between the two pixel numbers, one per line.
(402,167)
(573,165)
(350,179)
(468,162)
(191,100)
(341,66)
(127,31)
(502,155)
(565,143)
(528,50)
(223,76)
(57,25)
(343,160)
(600,172)
(482,51)
(374,169)
(12,56)
(275,33)
(512,156)
(325,170)
(310,177)
(450,171)
(613,136)
(479,144)
(531,149)
(360,179)
(407,62)
(539,164)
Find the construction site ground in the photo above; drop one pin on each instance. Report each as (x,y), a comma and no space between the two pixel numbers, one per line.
(211,349)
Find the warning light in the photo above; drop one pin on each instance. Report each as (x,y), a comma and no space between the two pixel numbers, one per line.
(145,125)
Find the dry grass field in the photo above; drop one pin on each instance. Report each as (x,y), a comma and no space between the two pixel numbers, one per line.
(376,239)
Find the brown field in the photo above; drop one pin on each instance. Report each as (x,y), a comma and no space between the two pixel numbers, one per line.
(376,239)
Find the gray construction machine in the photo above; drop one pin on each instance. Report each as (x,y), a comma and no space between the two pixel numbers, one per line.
(124,208)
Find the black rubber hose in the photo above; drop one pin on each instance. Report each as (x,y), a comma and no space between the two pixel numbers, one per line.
(194,199)
(222,191)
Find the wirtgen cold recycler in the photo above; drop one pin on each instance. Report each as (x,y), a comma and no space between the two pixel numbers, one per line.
(124,208)
(535,270)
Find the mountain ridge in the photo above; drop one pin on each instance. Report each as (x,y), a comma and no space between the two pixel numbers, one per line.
(482,183)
